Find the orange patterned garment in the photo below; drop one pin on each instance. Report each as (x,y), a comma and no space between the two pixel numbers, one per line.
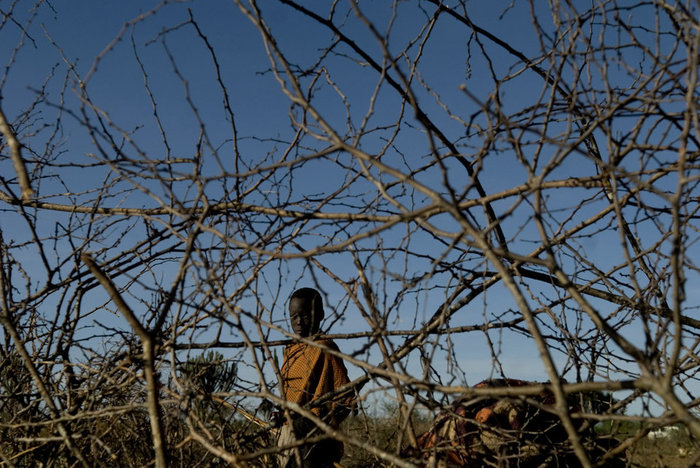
(308,373)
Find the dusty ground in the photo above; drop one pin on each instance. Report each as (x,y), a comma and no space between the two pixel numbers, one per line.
(658,455)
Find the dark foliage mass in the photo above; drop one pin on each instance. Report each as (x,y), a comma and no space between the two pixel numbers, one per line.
(507,431)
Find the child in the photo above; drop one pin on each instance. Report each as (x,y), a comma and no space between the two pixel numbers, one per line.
(308,373)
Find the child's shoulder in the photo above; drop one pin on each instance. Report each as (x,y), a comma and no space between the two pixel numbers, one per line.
(328,343)
(294,348)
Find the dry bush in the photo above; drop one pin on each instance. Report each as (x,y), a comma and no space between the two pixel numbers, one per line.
(477,191)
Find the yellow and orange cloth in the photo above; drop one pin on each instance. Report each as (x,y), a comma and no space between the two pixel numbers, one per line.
(309,372)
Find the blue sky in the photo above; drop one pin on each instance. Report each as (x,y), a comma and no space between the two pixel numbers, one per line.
(85,30)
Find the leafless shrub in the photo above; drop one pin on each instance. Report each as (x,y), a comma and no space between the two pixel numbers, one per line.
(477,192)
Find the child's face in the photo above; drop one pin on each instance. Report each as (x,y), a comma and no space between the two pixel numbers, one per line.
(302,317)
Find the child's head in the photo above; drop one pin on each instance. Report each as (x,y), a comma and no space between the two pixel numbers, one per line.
(306,311)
